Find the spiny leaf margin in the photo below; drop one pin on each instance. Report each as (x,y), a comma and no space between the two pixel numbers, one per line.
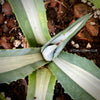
(31,17)
(75,91)
(24,70)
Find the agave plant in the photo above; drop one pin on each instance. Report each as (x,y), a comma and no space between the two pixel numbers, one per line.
(48,63)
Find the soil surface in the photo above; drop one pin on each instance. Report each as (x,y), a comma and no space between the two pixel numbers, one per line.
(60,14)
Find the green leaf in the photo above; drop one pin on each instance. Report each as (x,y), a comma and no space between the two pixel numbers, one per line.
(79,76)
(31,86)
(96,3)
(55,45)
(41,85)
(31,16)
(8,63)
(15,64)
(51,85)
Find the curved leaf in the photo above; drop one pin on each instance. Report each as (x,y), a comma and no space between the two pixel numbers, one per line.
(58,42)
(41,85)
(15,64)
(79,76)
(31,86)
(31,17)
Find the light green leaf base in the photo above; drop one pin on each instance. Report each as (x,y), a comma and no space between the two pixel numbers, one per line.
(41,85)
(74,90)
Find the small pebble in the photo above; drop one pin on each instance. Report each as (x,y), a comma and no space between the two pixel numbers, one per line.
(95,13)
(72,42)
(20,33)
(62,3)
(95,16)
(4,15)
(89,3)
(17,43)
(98,12)
(22,45)
(15,21)
(15,29)
(5,22)
(92,23)
(88,46)
(3,94)
(54,33)
(8,98)
(14,48)
(61,11)
(76,45)
(2,2)
(84,1)
(93,7)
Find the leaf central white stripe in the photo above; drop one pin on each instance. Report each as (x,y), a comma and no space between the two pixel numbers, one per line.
(42,81)
(31,12)
(62,37)
(18,61)
(84,79)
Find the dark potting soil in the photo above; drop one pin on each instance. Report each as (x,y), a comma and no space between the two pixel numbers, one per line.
(60,15)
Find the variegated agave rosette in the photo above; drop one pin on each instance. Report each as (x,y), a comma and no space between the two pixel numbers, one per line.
(79,76)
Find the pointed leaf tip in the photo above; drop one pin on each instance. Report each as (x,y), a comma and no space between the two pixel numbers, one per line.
(55,45)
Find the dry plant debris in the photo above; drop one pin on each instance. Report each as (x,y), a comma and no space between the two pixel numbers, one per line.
(81,9)
(6,9)
(11,36)
(4,42)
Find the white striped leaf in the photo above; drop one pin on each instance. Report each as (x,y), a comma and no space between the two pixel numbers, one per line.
(15,64)
(31,17)
(79,76)
(12,63)
(41,85)
(59,41)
